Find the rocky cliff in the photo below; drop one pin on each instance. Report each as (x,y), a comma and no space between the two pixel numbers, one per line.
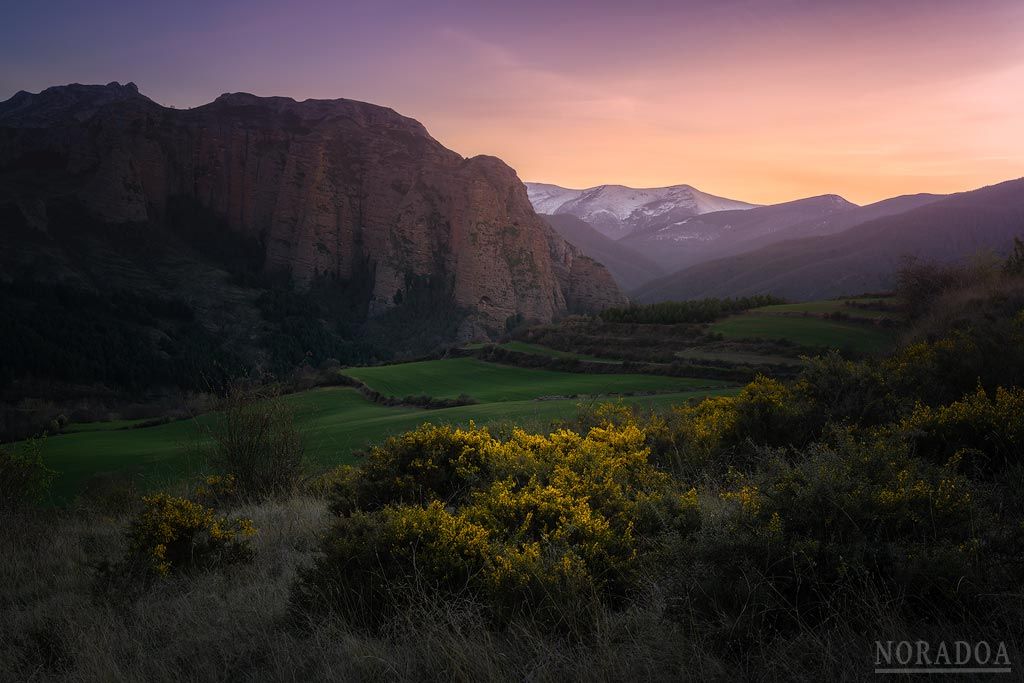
(333,187)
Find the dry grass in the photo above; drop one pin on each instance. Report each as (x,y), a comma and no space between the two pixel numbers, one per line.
(56,625)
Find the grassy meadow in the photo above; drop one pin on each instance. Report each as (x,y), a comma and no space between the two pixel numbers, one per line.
(337,422)
(814,332)
(489,382)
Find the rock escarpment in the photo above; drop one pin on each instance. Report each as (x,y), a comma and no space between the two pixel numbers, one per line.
(326,187)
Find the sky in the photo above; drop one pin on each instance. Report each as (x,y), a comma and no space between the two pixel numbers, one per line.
(763,101)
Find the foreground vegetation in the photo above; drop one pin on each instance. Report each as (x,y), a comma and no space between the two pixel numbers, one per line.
(773,534)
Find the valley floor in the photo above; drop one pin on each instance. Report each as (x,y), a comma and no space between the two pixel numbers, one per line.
(338,422)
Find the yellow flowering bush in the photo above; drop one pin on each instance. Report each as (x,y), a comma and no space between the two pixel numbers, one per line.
(539,523)
(765,412)
(430,463)
(176,534)
(943,371)
(985,432)
(372,562)
(832,389)
(852,508)
(216,490)
(704,428)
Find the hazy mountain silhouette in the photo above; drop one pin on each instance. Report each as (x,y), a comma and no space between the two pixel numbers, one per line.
(861,258)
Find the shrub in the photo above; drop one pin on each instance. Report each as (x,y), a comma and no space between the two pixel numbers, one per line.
(694,433)
(374,562)
(430,463)
(176,534)
(835,390)
(920,283)
(338,481)
(764,412)
(217,490)
(1015,261)
(24,479)
(813,532)
(253,438)
(984,433)
(546,525)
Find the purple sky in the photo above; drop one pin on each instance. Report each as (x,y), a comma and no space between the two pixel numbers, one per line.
(762,101)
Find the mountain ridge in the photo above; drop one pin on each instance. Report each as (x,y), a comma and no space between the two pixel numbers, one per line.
(863,257)
(338,187)
(709,235)
(617,210)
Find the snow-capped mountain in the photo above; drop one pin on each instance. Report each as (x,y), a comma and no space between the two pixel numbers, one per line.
(617,210)
(699,238)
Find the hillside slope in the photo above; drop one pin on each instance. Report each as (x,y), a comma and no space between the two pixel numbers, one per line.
(327,186)
(630,268)
(335,187)
(259,223)
(863,258)
(711,235)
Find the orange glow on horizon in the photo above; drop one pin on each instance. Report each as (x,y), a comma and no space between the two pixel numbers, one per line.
(757,100)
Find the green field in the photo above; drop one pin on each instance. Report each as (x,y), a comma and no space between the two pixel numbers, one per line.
(836,306)
(338,421)
(812,331)
(489,382)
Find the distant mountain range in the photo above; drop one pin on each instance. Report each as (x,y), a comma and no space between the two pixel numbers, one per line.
(806,248)
(711,235)
(860,250)
(617,211)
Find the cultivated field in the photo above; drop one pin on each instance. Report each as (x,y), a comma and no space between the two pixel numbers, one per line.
(488,382)
(851,328)
(339,421)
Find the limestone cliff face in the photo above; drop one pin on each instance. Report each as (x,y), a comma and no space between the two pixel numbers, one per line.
(326,186)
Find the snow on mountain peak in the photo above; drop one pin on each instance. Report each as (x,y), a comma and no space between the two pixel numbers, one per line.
(617,210)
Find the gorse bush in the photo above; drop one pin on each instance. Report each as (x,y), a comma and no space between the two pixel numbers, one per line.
(809,535)
(24,478)
(252,437)
(216,490)
(176,534)
(710,434)
(548,526)
(984,433)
